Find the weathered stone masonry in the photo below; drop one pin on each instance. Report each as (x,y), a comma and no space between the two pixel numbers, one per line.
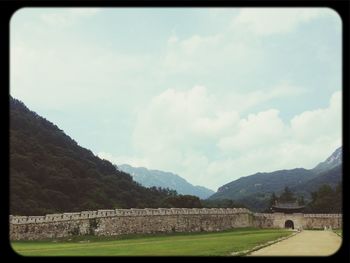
(300,220)
(142,221)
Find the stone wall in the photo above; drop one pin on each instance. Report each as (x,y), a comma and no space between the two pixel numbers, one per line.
(261,220)
(161,220)
(127,221)
(319,221)
(300,220)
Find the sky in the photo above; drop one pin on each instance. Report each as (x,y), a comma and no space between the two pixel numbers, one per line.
(211,94)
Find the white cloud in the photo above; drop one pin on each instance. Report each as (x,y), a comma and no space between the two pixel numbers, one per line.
(52,72)
(177,129)
(214,126)
(172,39)
(196,57)
(269,21)
(202,55)
(310,125)
(255,131)
(168,117)
(243,101)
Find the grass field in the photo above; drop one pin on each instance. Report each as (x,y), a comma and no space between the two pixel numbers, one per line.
(193,244)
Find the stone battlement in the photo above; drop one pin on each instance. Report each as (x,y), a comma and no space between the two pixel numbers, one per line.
(116,222)
(266,215)
(124,212)
(324,215)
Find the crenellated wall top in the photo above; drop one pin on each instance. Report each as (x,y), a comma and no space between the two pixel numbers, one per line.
(123,212)
(323,215)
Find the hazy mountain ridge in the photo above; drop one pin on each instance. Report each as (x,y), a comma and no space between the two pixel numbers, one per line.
(331,177)
(332,161)
(253,190)
(262,183)
(149,178)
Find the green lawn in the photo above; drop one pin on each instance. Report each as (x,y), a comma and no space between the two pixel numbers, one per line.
(194,244)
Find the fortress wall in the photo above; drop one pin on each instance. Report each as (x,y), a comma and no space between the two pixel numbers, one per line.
(281,218)
(161,220)
(127,221)
(300,220)
(262,220)
(319,221)
(49,230)
(167,224)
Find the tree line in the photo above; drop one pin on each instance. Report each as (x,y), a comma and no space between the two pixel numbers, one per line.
(324,200)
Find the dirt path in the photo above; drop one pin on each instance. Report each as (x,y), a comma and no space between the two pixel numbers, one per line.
(306,243)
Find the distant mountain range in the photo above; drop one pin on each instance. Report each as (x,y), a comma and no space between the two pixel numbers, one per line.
(254,190)
(163,179)
(50,172)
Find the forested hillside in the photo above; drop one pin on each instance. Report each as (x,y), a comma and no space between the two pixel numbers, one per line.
(50,172)
(255,190)
(331,177)
(260,185)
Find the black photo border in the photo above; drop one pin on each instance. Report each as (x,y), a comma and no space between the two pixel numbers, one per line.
(9,7)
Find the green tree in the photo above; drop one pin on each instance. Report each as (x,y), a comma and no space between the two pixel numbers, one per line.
(221,203)
(287,195)
(183,201)
(326,200)
(301,200)
(271,202)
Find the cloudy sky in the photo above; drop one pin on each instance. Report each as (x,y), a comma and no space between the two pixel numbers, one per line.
(210,94)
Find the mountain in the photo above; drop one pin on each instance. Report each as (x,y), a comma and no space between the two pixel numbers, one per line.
(331,177)
(163,179)
(332,161)
(263,183)
(255,190)
(50,172)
